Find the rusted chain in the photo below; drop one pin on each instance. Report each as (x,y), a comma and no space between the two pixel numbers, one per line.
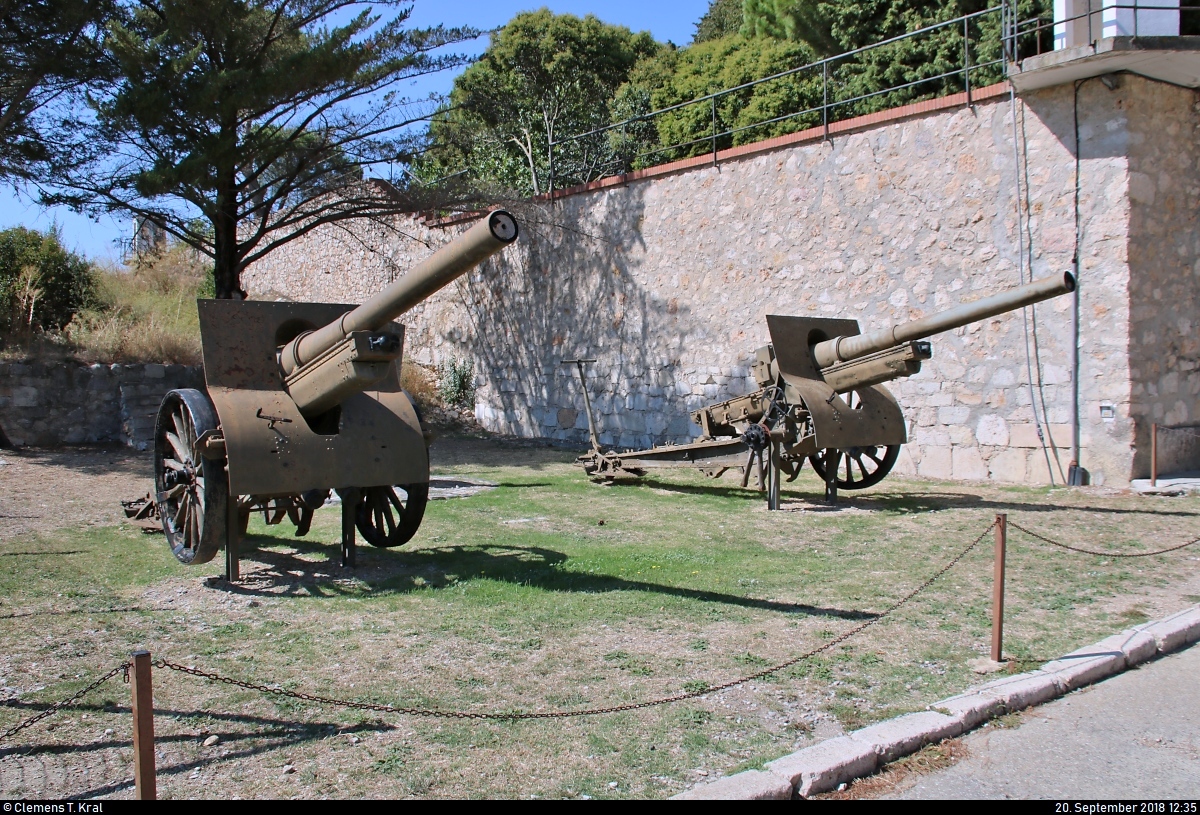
(563,714)
(50,711)
(1044,539)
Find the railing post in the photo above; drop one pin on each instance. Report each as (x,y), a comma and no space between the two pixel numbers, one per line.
(714,129)
(550,170)
(967,59)
(145,783)
(1154,455)
(998,588)
(825,97)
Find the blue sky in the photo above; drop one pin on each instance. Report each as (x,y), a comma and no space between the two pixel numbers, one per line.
(666,19)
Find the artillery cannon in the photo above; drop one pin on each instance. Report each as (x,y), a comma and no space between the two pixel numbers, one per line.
(303,399)
(820,398)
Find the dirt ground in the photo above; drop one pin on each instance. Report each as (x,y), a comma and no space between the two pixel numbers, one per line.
(51,488)
(44,489)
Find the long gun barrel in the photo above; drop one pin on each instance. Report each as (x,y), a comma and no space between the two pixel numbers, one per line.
(321,368)
(845,349)
(453,260)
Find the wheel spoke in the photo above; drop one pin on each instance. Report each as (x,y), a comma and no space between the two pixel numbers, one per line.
(387,515)
(179,517)
(395,499)
(180,448)
(172,464)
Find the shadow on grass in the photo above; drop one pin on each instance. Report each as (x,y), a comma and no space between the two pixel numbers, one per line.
(401,572)
(272,734)
(901,503)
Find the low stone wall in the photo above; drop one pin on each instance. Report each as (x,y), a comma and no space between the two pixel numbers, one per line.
(69,403)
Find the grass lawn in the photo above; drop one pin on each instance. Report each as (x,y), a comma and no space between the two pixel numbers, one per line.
(550,592)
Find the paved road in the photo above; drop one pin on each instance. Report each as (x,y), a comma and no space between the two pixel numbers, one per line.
(1134,736)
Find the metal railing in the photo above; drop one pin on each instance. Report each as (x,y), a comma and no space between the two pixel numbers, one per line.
(984,42)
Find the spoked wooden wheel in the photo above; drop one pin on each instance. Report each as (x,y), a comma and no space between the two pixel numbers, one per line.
(390,516)
(860,467)
(192,493)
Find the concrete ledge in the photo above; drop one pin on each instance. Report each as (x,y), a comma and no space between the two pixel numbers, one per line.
(823,766)
(1075,670)
(752,785)
(1023,690)
(1176,631)
(1137,646)
(971,709)
(907,734)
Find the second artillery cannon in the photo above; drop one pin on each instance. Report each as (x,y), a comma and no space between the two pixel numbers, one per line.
(303,399)
(820,399)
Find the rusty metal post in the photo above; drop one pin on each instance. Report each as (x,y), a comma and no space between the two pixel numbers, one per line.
(145,783)
(1154,455)
(967,60)
(998,588)
(350,500)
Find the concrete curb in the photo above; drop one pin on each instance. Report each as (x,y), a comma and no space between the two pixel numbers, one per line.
(828,764)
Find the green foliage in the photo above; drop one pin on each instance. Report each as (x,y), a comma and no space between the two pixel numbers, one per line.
(708,67)
(456,383)
(796,20)
(543,77)
(242,115)
(42,285)
(48,53)
(724,17)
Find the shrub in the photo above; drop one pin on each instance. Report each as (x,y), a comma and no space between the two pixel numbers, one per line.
(42,285)
(146,314)
(456,383)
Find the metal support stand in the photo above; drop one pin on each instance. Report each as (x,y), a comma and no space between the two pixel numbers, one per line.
(774,474)
(998,588)
(833,458)
(145,783)
(233,528)
(350,498)
(587,400)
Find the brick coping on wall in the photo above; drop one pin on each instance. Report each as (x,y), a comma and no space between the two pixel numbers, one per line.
(746,150)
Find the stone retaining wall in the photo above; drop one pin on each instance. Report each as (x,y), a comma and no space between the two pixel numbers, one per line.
(666,281)
(48,404)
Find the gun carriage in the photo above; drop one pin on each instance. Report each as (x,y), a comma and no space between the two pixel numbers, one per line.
(303,399)
(820,399)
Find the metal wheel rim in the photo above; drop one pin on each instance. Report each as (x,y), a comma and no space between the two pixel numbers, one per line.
(384,519)
(190,488)
(881,457)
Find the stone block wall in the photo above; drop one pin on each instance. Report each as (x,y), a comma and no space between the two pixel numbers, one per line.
(47,404)
(666,281)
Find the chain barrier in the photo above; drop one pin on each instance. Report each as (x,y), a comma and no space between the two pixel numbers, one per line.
(50,711)
(563,714)
(1044,539)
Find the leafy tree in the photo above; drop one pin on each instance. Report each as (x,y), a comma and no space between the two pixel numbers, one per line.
(48,51)
(544,76)
(42,285)
(240,125)
(724,17)
(796,20)
(705,68)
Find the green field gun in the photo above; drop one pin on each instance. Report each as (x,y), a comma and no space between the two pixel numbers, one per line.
(820,398)
(303,399)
